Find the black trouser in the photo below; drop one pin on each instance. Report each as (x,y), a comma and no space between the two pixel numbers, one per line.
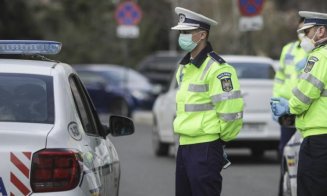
(198,168)
(285,135)
(312,168)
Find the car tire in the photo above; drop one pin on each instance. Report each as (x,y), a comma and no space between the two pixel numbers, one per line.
(119,107)
(160,148)
(257,153)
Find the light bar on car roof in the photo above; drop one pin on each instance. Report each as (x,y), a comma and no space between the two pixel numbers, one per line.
(29,47)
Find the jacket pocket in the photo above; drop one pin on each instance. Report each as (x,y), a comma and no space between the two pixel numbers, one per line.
(210,123)
(189,123)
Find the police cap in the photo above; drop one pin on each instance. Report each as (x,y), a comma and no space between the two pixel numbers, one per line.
(189,20)
(312,19)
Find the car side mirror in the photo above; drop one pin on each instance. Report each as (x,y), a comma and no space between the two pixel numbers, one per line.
(119,126)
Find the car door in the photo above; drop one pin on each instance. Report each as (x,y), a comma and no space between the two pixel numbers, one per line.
(101,166)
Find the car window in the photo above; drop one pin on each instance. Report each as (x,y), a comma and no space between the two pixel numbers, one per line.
(26,98)
(253,70)
(83,106)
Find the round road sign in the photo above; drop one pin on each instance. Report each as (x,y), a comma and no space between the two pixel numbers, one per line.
(250,7)
(128,13)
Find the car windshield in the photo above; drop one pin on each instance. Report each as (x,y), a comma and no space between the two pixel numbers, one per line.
(26,98)
(251,70)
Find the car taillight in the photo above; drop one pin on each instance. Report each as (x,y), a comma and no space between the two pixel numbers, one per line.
(55,170)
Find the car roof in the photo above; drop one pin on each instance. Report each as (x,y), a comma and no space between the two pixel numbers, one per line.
(247,58)
(26,66)
(99,67)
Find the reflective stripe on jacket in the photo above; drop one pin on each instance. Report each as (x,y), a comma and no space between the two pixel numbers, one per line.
(209,103)
(286,77)
(309,99)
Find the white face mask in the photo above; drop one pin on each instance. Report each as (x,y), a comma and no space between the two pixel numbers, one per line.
(308,44)
(300,36)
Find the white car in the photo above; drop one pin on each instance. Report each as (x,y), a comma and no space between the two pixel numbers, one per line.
(259,132)
(51,139)
(290,164)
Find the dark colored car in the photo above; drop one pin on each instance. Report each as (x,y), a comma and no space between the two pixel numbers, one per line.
(160,66)
(117,90)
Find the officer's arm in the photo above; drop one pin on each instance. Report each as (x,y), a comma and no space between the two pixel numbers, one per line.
(280,75)
(311,85)
(278,81)
(226,96)
(178,74)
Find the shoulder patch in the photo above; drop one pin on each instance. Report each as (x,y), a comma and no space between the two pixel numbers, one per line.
(311,62)
(216,57)
(313,58)
(225,74)
(226,84)
(226,81)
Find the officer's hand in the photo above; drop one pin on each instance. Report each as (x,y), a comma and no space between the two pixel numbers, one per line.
(279,106)
(301,64)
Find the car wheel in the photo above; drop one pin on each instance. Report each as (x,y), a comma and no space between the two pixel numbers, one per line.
(119,107)
(286,184)
(257,153)
(160,148)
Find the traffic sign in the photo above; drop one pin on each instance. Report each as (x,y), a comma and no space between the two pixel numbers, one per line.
(128,13)
(250,7)
(252,23)
(128,31)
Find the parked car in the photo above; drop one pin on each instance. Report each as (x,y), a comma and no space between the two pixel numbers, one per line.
(159,67)
(259,132)
(290,164)
(51,139)
(117,90)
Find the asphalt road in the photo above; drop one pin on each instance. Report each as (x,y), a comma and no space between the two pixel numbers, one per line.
(144,174)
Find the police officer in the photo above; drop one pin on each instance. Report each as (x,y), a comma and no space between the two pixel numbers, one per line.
(292,60)
(209,108)
(309,103)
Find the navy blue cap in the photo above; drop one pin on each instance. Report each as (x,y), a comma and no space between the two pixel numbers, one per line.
(312,19)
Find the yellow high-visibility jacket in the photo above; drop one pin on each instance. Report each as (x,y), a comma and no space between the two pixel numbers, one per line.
(309,99)
(286,77)
(209,102)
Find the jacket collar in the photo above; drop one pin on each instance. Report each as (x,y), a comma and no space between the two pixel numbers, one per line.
(199,59)
(321,42)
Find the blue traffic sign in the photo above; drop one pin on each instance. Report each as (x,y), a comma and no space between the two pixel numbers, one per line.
(250,7)
(128,13)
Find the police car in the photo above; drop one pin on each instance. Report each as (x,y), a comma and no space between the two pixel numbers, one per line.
(51,139)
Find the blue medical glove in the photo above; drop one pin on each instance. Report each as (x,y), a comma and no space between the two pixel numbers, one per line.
(301,64)
(279,106)
(275,118)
